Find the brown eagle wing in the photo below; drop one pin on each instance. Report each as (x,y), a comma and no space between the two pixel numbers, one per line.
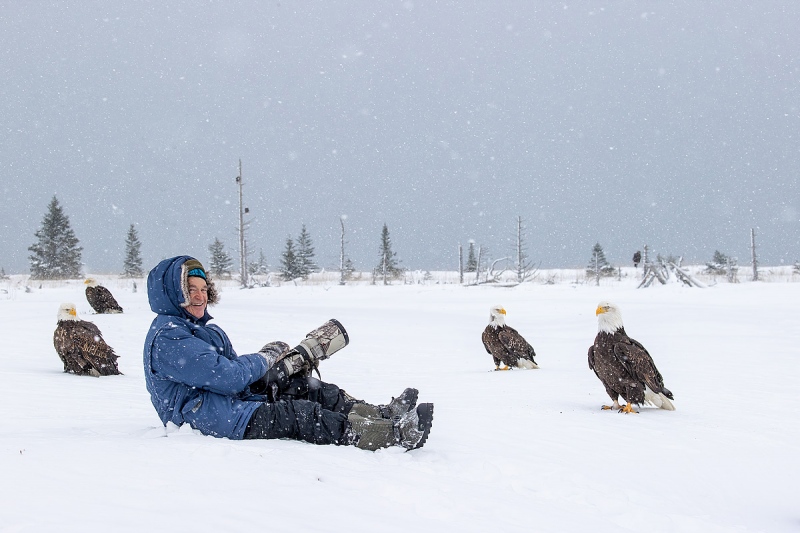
(66,349)
(93,297)
(494,347)
(486,338)
(516,343)
(81,347)
(101,299)
(591,359)
(109,299)
(638,363)
(99,354)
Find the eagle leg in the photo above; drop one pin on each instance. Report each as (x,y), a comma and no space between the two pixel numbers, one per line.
(615,405)
(497,367)
(628,408)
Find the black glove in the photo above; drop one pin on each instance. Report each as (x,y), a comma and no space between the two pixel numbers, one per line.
(278,377)
(275,376)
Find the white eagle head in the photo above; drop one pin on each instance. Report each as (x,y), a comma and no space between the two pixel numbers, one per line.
(91,282)
(497,316)
(67,312)
(609,317)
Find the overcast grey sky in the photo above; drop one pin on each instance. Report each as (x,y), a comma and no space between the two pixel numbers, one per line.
(670,123)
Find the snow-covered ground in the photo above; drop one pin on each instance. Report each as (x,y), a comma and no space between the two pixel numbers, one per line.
(509,451)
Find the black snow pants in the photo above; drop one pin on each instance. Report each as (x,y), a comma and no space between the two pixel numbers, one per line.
(309,410)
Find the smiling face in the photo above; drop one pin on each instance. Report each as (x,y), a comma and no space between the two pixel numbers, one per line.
(198,296)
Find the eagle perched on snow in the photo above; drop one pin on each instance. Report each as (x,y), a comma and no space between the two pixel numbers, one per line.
(505,344)
(100,298)
(81,347)
(624,366)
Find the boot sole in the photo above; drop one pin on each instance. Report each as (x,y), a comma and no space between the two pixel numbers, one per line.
(425,413)
(412,401)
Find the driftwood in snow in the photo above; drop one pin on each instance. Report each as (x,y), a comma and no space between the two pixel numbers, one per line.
(685,277)
(652,272)
(664,270)
(496,275)
(492,275)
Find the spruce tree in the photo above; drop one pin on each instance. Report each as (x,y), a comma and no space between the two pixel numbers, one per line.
(56,255)
(598,264)
(718,264)
(305,254)
(221,263)
(133,259)
(288,268)
(259,267)
(472,262)
(348,269)
(388,266)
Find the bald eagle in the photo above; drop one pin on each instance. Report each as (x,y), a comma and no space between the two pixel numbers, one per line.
(624,366)
(100,298)
(81,347)
(505,344)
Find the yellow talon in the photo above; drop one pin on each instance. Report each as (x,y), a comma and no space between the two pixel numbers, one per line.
(627,408)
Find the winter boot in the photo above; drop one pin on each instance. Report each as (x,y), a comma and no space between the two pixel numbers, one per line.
(413,427)
(393,410)
(369,433)
(409,431)
(400,405)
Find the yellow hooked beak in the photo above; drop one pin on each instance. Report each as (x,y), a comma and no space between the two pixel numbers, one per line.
(73,312)
(501,310)
(599,310)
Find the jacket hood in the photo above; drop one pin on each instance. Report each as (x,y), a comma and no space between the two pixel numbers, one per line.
(167,288)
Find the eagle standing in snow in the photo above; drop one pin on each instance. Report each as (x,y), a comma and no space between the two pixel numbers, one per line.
(81,347)
(624,366)
(100,298)
(505,344)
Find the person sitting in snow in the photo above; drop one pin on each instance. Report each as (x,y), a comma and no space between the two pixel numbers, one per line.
(194,376)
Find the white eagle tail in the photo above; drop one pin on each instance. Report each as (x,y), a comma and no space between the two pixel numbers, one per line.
(657,400)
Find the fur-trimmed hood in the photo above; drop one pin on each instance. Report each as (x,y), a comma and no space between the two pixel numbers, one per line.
(191,370)
(168,288)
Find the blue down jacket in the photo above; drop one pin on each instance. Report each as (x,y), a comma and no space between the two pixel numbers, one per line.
(191,371)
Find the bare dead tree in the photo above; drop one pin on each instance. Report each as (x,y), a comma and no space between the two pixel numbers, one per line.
(460,263)
(524,267)
(478,265)
(754,260)
(342,274)
(243,225)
